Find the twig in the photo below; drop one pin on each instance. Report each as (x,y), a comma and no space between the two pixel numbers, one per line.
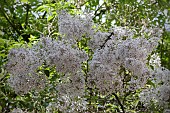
(43,16)
(108,38)
(27,9)
(7,18)
(101,11)
(121,105)
(98,9)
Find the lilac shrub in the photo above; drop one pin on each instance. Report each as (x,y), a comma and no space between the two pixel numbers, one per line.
(159,93)
(119,64)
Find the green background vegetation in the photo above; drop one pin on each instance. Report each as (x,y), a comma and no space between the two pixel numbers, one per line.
(25,21)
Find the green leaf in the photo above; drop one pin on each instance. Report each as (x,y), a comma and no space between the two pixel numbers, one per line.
(2,41)
(50,18)
(149,82)
(24,1)
(41,8)
(0,108)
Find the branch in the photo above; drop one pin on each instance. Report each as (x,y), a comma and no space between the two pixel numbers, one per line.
(43,16)
(107,8)
(25,36)
(108,38)
(98,9)
(7,18)
(102,11)
(121,105)
(27,9)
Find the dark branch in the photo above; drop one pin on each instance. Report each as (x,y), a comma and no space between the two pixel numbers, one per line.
(27,9)
(43,16)
(12,25)
(95,13)
(108,38)
(102,11)
(15,28)
(121,105)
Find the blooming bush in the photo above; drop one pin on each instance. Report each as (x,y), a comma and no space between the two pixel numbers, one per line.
(94,71)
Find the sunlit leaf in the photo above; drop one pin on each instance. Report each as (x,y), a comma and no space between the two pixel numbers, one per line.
(24,1)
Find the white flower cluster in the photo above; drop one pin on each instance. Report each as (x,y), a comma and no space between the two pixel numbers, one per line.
(67,105)
(22,84)
(73,28)
(62,55)
(155,60)
(24,63)
(166,111)
(160,92)
(18,110)
(117,53)
(103,72)
(73,85)
(67,60)
(123,32)
(133,55)
(97,40)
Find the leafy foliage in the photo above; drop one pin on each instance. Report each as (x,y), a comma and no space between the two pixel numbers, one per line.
(24,22)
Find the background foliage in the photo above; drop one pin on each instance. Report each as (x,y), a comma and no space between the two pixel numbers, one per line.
(25,21)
